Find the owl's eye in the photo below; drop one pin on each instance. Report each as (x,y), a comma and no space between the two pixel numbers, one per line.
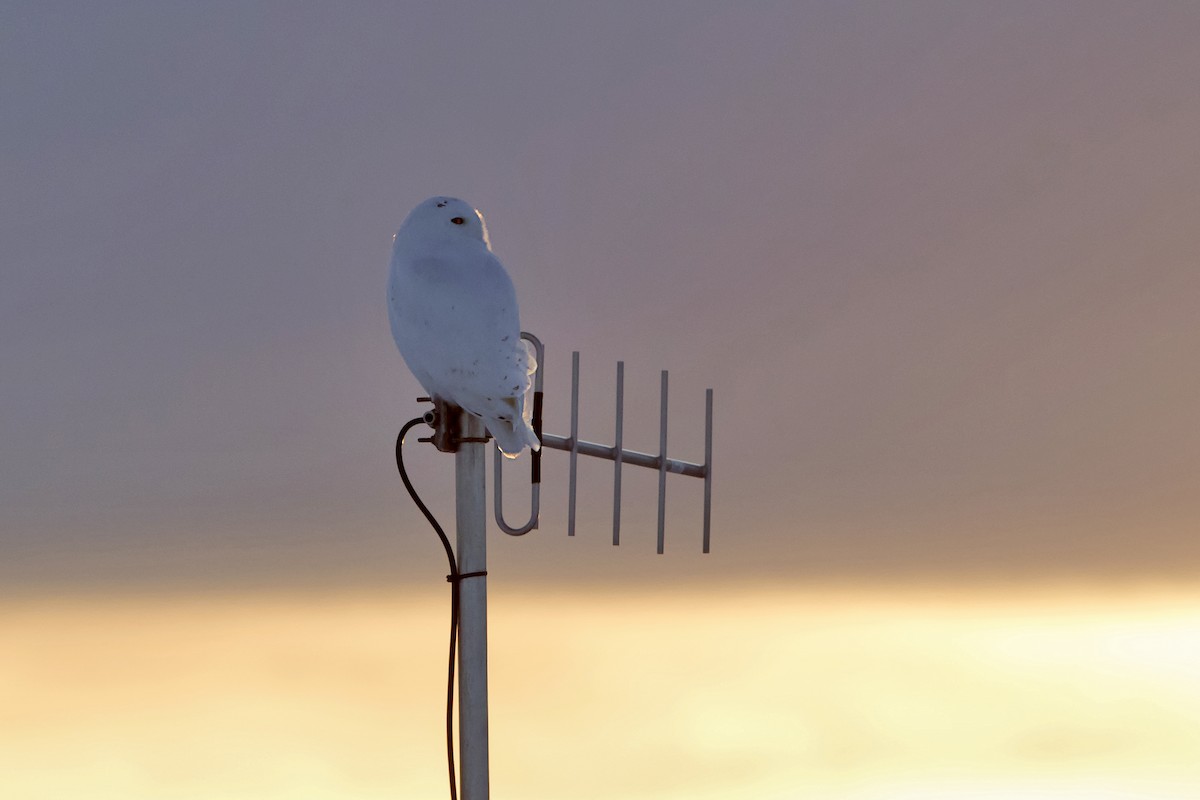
(458,220)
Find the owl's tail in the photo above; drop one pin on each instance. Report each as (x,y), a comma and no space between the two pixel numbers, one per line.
(512,438)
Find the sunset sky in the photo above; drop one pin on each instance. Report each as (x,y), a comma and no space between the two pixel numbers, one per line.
(939,261)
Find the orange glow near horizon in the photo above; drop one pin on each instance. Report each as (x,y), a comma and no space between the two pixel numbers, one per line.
(818,693)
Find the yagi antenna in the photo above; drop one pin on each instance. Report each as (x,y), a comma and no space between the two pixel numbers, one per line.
(465,436)
(615,453)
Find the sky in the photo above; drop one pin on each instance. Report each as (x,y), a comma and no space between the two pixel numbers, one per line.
(937,260)
(877,696)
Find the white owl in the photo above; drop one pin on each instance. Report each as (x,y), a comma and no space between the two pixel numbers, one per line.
(454,316)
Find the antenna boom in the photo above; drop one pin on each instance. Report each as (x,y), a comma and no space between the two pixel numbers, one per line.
(674,466)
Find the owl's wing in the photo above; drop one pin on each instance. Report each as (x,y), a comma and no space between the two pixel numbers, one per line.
(509,413)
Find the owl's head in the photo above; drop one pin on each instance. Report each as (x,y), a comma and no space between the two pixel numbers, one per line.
(446,217)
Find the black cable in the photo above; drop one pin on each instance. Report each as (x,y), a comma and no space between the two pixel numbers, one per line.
(454,579)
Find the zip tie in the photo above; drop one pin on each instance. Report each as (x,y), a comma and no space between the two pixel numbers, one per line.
(462,576)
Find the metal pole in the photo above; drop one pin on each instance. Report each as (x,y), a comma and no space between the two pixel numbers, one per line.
(471,519)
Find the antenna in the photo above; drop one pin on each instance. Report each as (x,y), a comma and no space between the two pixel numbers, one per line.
(616,453)
(464,435)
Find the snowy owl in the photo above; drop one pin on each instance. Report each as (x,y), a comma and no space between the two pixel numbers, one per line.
(454,316)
